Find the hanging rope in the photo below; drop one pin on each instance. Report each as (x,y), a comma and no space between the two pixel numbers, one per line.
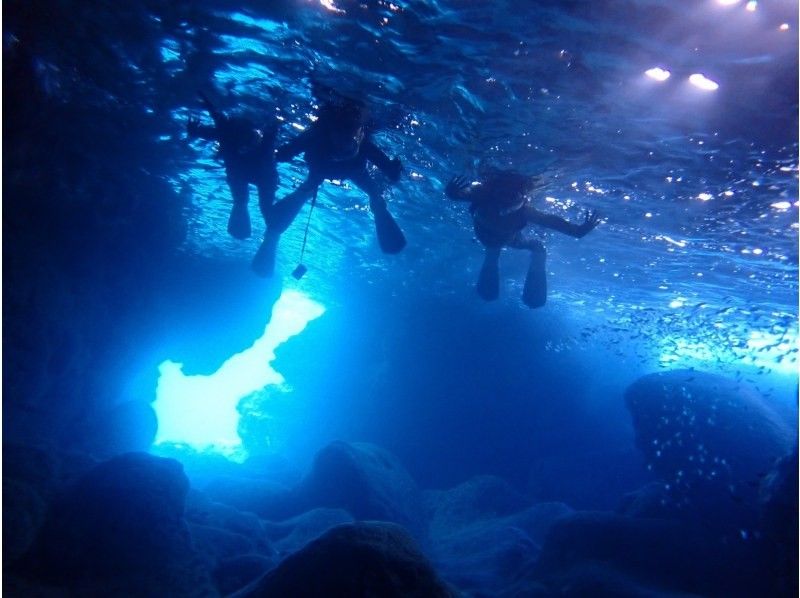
(308,223)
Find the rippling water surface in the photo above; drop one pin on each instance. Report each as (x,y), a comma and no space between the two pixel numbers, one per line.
(698,189)
(697,255)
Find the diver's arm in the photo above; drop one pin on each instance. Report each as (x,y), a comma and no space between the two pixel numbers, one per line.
(268,134)
(590,221)
(294,147)
(218,116)
(459,189)
(195,129)
(269,131)
(391,168)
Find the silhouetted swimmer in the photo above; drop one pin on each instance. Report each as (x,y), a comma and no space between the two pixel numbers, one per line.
(501,210)
(248,153)
(336,146)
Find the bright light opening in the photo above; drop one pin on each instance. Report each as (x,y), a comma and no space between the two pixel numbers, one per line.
(727,2)
(702,82)
(784,27)
(752,5)
(657,73)
(201,411)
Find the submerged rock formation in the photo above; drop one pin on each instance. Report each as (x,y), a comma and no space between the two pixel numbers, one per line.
(120,529)
(366,480)
(709,439)
(358,559)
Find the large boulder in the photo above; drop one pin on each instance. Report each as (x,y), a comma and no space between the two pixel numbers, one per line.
(292,534)
(779,524)
(366,481)
(235,573)
(483,537)
(201,511)
(354,560)
(31,478)
(23,514)
(479,498)
(119,529)
(666,555)
(129,426)
(265,498)
(706,436)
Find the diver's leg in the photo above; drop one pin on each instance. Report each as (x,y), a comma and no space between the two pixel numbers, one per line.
(239,220)
(534,293)
(278,218)
(283,212)
(267,186)
(488,286)
(390,237)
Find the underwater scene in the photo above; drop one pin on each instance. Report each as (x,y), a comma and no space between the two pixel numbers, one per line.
(400,298)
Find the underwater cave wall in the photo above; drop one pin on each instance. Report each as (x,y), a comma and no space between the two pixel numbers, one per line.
(91,222)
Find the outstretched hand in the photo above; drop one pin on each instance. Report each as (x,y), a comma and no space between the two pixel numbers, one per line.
(457,187)
(590,220)
(193,127)
(395,170)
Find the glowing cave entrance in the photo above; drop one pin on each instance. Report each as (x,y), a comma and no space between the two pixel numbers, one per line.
(200,412)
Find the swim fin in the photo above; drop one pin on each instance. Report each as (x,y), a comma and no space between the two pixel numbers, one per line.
(534,294)
(390,238)
(239,222)
(263,263)
(488,286)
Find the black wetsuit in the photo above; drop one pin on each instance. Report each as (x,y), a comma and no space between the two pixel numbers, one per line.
(248,155)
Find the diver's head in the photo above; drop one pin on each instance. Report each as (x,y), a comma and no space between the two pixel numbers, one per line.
(346,128)
(509,182)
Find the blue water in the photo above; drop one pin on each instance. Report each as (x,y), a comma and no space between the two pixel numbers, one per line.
(693,267)
(695,263)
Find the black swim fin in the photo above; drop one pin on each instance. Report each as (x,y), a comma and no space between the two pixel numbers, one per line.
(534,294)
(488,286)
(239,222)
(390,238)
(264,261)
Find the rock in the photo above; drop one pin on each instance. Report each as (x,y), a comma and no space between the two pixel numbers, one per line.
(257,495)
(671,556)
(482,538)
(219,544)
(601,581)
(482,497)
(129,426)
(23,515)
(119,529)
(537,520)
(484,558)
(651,502)
(779,523)
(708,439)
(291,535)
(354,560)
(33,465)
(365,480)
(202,511)
(235,573)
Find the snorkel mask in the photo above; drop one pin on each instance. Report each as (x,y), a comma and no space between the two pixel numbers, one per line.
(345,146)
(346,125)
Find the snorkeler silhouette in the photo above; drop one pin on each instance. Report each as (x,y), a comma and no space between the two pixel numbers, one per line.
(501,209)
(336,146)
(248,153)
